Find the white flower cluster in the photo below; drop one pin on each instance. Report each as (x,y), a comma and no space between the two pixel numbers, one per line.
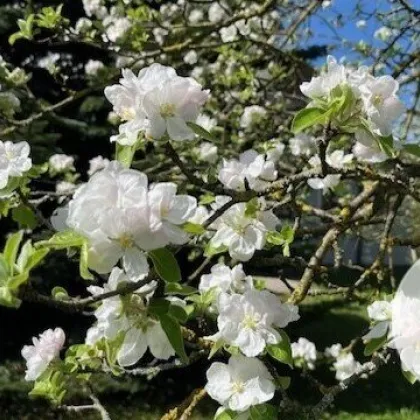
(44,350)
(405,331)
(345,365)
(61,162)
(240,384)
(376,101)
(14,160)
(157,102)
(337,160)
(129,315)
(122,217)
(252,169)
(247,319)
(304,353)
(242,233)
(380,313)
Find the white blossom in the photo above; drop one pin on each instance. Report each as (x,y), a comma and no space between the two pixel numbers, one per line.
(383,33)
(191,57)
(276,152)
(93,66)
(200,216)
(82,25)
(49,61)
(61,162)
(115,315)
(361,23)
(338,160)
(96,164)
(321,86)
(302,144)
(207,152)
(206,122)
(366,148)
(14,160)
(240,384)
(304,350)
(250,114)
(195,16)
(44,350)
(65,187)
(346,366)
(225,279)
(381,102)
(241,234)
(252,167)
(120,216)
(229,34)
(249,320)
(216,12)
(115,27)
(157,101)
(334,350)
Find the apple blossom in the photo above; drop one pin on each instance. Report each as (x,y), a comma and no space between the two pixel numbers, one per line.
(251,114)
(243,235)
(207,152)
(366,148)
(92,67)
(346,366)
(61,162)
(334,350)
(304,352)
(240,384)
(96,164)
(252,167)
(249,320)
(381,102)
(225,279)
(337,160)
(216,12)
(302,144)
(14,160)
(44,350)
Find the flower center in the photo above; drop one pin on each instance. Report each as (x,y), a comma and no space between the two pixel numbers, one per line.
(127,114)
(126,241)
(250,321)
(238,387)
(378,100)
(167,110)
(135,310)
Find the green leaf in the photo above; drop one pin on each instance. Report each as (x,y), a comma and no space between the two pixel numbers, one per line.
(16,281)
(8,299)
(12,247)
(283,382)
(252,207)
(207,199)
(409,376)
(125,154)
(413,149)
(374,344)
(386,144)
(173,331)
(62,240)
(166,265)
(83,262)
(4,270)
(263,412)
(281,351)
(309,117)
(227,415)
(179,289)
(193,228)
(25,217)
(210,250)
(201,132)
(158,307)
(179,313)
(35,258)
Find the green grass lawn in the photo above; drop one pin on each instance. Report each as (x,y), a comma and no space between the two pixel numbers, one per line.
(387,396)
